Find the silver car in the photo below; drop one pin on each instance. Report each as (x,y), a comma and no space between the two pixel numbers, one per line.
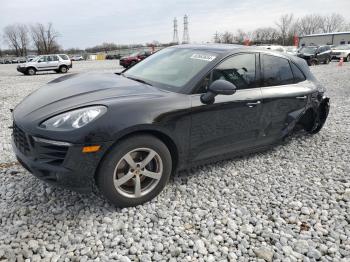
(60,63)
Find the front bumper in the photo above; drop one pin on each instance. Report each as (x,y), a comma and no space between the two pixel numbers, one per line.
(21,69)
(58,164)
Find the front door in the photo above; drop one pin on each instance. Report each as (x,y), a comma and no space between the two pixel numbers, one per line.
(42,63)
(232,122)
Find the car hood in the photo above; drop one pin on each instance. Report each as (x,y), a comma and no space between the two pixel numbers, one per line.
(76,90)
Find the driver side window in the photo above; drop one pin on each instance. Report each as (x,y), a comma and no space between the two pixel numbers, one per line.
(238,69)
(42,59)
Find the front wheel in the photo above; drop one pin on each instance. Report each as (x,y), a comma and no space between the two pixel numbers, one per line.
(327,61)
(134,171)
(31,71)
(63,69)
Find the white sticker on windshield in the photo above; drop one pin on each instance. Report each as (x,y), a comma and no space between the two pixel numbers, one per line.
(203,57)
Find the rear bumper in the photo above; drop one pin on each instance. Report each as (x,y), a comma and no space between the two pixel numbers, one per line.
(64,166)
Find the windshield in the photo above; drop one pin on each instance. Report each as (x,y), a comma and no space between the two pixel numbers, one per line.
(308,50)
(135,54)
(342,47)
(171,68)
(36,58)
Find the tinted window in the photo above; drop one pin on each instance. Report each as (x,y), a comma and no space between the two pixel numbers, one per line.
(276,71)
(298,75)
(64,57)
(239,70)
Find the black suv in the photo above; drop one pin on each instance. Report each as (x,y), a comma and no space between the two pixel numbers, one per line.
(183,106)
(315,55)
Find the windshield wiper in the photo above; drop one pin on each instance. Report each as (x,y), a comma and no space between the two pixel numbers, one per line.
(137,79)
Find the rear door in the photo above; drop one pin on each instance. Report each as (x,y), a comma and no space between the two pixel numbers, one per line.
(285,92)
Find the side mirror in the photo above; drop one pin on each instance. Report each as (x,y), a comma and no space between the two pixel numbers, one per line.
(218,87)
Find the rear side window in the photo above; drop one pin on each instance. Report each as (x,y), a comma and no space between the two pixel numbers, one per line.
(276,71)
(64,57)
(298,75)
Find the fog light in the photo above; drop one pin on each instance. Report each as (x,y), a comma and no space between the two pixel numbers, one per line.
(91,149)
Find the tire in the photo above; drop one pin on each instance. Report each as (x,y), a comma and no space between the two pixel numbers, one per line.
(123,192)
(63,69)
(347,59)
(313,62)
(31,71)
(327,61)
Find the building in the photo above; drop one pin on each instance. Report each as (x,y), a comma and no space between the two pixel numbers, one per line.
(337,38)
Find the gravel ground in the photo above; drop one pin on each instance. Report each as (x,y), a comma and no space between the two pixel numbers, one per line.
(291,203)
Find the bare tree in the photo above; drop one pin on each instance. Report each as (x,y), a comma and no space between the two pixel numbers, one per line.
(332,23)
(284,24)
(310,24)
(45,38)
(23,38)
(16,36)
(265,35)
(227,38)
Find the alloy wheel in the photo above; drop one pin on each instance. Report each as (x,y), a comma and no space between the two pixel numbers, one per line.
(138,172)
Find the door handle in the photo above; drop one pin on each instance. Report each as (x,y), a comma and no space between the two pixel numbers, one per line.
(253,104)
(301,97)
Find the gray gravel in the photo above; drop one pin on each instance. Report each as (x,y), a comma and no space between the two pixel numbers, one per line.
(291,203)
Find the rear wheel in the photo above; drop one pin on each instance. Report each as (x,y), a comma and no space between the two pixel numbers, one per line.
(327,60)
(63,69)
(31,71)
(135,171)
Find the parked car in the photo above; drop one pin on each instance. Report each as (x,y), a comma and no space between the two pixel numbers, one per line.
(22,60)
(183,106)
(77,58)
(133,59)
(14,60)
(341,51)
(110,57)
(60,63)
(30,57)
(7,61)
(315,55)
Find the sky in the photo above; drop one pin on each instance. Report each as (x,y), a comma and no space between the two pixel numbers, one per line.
(83,23)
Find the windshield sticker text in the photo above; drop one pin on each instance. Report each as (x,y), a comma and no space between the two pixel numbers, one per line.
(203,57)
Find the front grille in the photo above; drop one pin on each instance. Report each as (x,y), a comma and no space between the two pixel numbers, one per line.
(335,53)
(40,149)
(21,140)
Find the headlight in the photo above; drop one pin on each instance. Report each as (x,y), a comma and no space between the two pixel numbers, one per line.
(74,119)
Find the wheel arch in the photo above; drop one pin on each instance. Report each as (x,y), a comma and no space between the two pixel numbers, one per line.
(162,136)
